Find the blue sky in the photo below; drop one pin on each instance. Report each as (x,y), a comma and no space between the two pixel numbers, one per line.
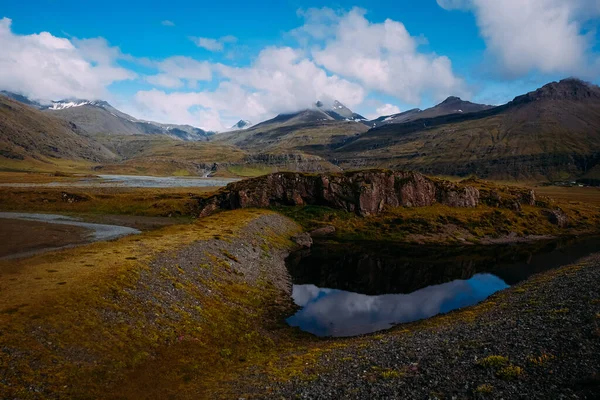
(210,64)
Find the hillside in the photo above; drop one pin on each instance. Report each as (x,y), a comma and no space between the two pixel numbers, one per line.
(31,139)
(551,133)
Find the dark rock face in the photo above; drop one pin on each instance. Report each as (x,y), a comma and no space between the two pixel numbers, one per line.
(362,192)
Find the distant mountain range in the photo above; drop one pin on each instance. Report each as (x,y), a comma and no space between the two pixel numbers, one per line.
(551,133)
(100,118)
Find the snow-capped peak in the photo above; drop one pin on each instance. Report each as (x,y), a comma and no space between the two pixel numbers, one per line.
(64,104)
(242,124)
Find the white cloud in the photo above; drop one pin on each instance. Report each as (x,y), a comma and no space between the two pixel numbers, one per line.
(174,70)
(382,56)
(280,80)
(291,82)
(166,22)
(213,44)
(536,35)
(354,56)
(47,67)
(165,80)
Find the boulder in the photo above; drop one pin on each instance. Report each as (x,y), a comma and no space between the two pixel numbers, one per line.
(304,240)
(557,217)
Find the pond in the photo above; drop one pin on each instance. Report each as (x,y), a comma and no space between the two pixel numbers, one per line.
(350,290)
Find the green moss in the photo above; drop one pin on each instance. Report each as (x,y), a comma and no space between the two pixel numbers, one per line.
(485,388)
(509,372)
(493,361)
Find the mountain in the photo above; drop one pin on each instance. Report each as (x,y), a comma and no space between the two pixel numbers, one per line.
(452,105)
(30,138)
(99,118)
(394,119)
(338,111)
(242,124)
(312,130)
(551,133)
(320,111)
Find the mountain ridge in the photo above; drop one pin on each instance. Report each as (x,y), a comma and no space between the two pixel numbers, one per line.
(550,133)
(451,105)
(97,117)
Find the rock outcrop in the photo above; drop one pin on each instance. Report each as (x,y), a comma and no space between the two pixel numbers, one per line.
(363,192)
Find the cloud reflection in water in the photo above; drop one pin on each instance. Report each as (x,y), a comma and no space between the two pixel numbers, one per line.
(331,312)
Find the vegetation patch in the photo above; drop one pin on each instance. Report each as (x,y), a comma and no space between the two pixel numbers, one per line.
(485,388)
(493,362)
(509,372)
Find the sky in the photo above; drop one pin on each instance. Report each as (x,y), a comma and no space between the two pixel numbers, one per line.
(212,64)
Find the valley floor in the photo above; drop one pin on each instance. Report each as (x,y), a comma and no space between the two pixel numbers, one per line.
(197,310)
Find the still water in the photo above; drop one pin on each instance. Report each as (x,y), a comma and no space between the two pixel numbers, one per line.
(352,290)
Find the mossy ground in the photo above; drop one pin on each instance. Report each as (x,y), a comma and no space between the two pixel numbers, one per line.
(128,201)
(78,322)
(72,326)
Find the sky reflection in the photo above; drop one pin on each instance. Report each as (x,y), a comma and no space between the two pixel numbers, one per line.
(331,312)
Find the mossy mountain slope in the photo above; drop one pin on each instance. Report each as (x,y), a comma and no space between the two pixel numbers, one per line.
(31,136)
(551,133)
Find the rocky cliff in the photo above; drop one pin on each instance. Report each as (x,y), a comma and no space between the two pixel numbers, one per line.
(362,192)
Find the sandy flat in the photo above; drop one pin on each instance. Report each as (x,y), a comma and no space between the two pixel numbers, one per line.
(19,236)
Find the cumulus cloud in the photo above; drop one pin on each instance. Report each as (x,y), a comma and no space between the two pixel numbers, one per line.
(280,80)
(341,56)
(382,56)
(213,44)
(542,35)
(46,67)
(175,70)
(166,22)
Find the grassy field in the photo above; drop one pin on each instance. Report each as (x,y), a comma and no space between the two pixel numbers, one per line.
(130,201)
(572,195)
